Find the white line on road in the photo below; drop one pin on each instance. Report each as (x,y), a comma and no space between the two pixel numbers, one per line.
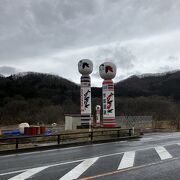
(163,153)
(52,165)
(13,172)
(79,169)
(127,160)
(100,156)
(28,173)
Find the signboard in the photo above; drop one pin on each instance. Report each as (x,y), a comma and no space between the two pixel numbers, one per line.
(85,100)
(108,101)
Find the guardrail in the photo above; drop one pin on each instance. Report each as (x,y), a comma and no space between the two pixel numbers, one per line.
(67,138)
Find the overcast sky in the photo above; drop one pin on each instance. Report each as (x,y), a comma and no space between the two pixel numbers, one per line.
(51,36)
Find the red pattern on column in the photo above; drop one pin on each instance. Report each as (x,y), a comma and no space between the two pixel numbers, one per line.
(108,104)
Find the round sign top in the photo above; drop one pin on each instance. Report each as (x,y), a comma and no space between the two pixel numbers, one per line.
(98,107)
(107,70)
(85,66)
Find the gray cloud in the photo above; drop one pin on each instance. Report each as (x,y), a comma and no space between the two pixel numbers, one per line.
(6,70)
(49,36)
(164,68)
(121,56)
(173,58)
(32,28)
(96,75)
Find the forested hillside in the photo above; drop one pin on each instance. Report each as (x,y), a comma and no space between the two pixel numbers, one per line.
(45,98)
(36,97)
(166,84)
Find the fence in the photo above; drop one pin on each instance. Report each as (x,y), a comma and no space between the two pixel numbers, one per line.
(138,122)
(67,138)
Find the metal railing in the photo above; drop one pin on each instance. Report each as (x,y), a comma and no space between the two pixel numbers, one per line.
(67,138)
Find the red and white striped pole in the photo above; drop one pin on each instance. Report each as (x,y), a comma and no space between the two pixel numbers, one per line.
(107,71)
(98,115)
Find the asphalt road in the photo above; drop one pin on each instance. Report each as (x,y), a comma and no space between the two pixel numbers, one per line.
(155,156)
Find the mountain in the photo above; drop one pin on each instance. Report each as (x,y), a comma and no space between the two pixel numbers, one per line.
(166,84)
(38,85)
(45,98)
(1,76)
(36,97)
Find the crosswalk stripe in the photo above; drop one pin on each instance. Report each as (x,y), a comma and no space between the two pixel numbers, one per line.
(79,169)
(163,153)
(127,160)
(28,173)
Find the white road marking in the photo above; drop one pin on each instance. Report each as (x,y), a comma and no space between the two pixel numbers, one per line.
(13,172)
(79,169)
(127,160)
(100,156)
(52,165)
(163,153)
(28,173)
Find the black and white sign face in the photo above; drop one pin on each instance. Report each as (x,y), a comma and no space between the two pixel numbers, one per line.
(85,66)
(107,70)
(85,100)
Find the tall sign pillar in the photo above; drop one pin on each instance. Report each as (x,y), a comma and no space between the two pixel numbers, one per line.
(107,72)
(85,67)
